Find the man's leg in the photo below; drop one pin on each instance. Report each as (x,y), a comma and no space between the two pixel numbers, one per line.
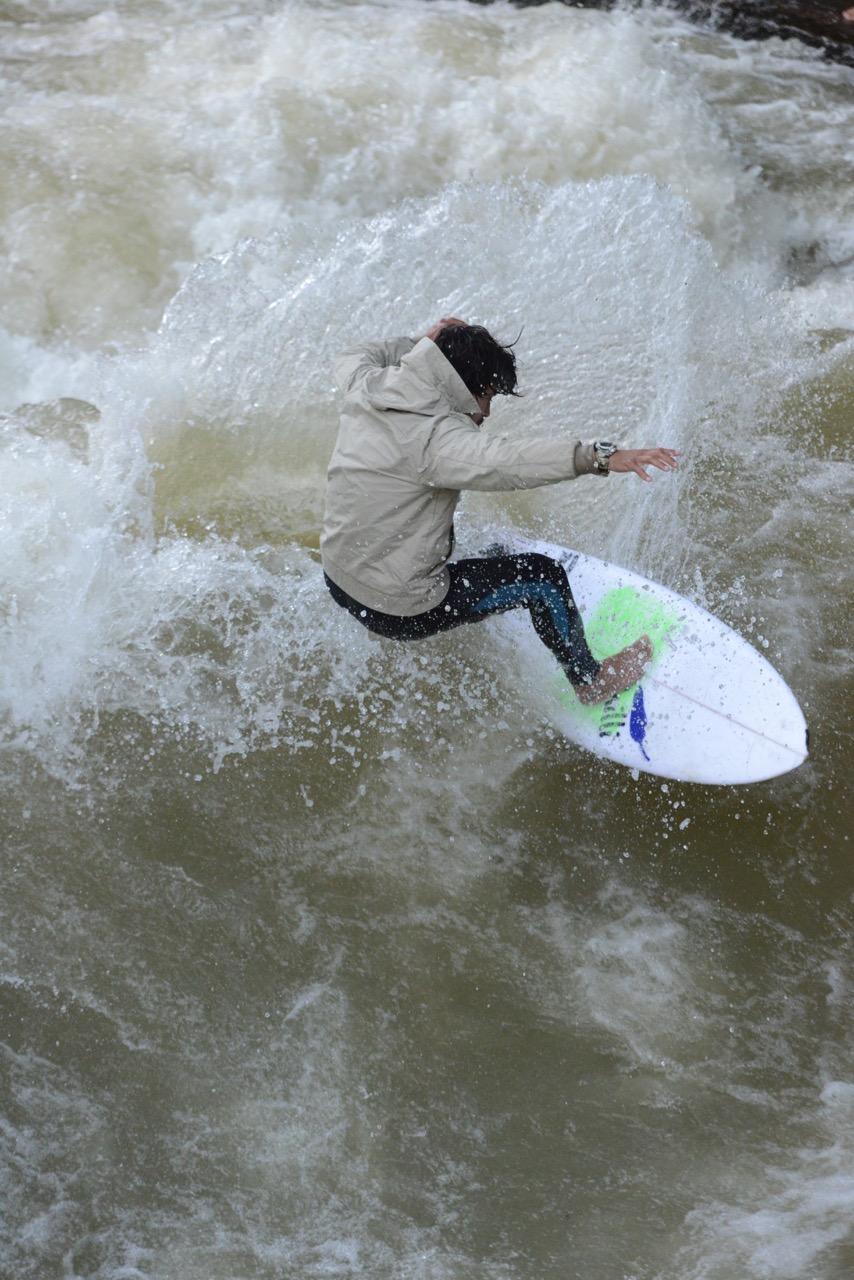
(495,584)
(534,582)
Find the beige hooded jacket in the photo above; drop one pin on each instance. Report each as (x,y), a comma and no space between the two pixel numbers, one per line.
(406,447)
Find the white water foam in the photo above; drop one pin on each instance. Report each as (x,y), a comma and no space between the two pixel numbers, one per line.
(108,605)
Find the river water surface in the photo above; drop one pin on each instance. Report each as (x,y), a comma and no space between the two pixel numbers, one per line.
(325,957)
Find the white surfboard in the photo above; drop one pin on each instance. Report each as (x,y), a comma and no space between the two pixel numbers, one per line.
(709,709)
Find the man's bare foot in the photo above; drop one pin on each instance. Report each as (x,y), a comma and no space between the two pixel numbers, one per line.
(616,673)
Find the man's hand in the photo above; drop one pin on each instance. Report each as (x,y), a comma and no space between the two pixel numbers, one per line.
(433,333)
(638,459)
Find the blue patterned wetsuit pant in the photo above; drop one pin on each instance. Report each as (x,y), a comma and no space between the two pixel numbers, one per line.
(490,585)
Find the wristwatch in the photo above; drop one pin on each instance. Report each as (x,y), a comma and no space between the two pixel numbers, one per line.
(603,451)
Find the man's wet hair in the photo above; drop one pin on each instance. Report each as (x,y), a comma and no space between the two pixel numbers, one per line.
(480,360)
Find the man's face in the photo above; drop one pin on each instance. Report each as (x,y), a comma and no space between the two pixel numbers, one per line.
(483,401)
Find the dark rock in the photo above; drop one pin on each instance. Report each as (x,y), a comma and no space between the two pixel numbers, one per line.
(825,24)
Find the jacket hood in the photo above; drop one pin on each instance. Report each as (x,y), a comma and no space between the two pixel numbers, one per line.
(425,382)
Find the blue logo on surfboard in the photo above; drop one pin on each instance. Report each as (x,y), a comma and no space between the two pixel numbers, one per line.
(637,721)
(615,712)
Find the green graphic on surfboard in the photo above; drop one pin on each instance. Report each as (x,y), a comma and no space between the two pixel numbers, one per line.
(621,616)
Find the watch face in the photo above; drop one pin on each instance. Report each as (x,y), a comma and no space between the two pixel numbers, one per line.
(602,452)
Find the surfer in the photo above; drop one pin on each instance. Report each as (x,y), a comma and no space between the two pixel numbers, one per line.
(409,441)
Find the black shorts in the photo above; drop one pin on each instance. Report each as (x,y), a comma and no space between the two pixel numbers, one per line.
(494,584)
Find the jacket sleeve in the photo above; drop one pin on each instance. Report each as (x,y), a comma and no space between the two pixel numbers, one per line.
(356,362)
(460,456)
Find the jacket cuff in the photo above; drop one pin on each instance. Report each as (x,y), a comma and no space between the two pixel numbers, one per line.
(585,460)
